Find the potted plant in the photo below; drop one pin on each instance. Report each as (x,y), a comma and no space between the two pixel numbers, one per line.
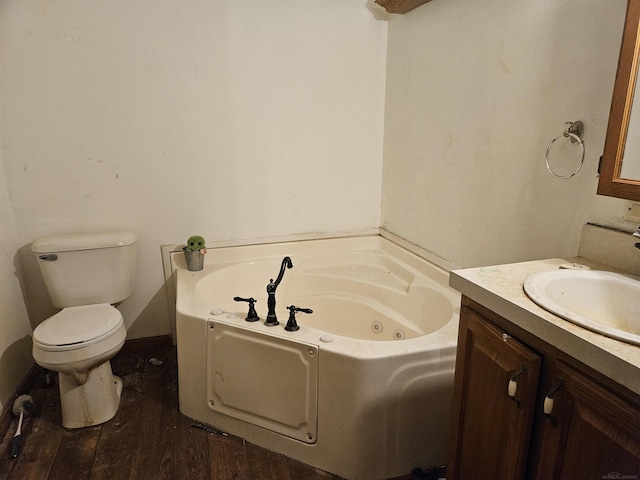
(194,252)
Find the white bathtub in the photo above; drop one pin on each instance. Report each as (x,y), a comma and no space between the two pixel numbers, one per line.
(363,388)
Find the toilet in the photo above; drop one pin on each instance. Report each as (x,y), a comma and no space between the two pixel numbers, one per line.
(85,275)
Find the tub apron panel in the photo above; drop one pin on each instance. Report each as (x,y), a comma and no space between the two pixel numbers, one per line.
(265,380)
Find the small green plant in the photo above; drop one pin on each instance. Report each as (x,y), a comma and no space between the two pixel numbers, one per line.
(196,243)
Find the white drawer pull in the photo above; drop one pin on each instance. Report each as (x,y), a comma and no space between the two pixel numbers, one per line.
(512,387)
(547,408)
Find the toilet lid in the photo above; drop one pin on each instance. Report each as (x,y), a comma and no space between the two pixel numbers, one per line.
(75,325)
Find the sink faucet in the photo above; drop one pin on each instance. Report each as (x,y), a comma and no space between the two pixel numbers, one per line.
(272,319)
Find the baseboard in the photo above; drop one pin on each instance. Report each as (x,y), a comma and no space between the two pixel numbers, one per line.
(146,343)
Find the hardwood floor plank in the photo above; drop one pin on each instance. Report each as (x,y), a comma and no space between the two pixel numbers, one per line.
(7,462)
(266,465)
(165,466)
(190,451)
(301,471)
(144,462)
(7,419)
(76,454)
(114,452)
(42,434)
(228,458)
(152,457)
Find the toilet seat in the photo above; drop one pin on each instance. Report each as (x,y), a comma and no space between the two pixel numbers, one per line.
(78,327)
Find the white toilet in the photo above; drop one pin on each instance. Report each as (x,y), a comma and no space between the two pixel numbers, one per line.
(85,274)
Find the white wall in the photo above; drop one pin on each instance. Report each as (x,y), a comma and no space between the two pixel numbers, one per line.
(233,119)
(475,93)
(15,340)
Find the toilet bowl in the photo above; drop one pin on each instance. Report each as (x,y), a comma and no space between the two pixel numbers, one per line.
(85,274)
(78,343)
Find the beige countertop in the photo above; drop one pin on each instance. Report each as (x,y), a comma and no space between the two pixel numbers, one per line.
(500,288)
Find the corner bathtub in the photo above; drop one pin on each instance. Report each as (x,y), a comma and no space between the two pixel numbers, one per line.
(362,390)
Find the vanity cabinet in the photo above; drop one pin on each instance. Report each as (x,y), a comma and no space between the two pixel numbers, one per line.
(523,409)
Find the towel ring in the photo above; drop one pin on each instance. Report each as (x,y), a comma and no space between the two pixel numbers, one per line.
(574,131)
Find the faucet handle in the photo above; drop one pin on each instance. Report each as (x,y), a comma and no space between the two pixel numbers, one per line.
(292,325)
(252,316)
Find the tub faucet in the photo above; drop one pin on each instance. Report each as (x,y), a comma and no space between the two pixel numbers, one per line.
(292,324)
(272,319)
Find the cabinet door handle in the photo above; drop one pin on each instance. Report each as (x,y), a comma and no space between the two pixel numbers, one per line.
(548,400)
(513,388)
(513,381)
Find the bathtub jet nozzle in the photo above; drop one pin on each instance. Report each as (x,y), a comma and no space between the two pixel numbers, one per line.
(272,319)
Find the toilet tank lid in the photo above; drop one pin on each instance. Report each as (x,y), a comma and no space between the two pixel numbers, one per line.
(83,241)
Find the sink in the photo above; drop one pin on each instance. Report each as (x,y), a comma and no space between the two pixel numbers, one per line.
(604,302)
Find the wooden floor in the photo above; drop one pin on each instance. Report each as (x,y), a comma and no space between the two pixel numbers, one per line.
(147,439)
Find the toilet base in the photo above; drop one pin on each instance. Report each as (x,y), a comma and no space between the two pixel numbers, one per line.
(92,403)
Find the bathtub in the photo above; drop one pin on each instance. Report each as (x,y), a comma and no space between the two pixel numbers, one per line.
(362,390)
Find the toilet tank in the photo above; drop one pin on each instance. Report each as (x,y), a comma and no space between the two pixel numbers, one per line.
(87,268)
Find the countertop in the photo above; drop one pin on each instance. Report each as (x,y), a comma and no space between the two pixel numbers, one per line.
(500,289)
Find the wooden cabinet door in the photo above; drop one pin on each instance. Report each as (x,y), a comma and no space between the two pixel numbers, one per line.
(491,425)
(590,433)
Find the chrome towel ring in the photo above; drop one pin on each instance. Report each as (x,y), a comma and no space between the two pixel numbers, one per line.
(574,131)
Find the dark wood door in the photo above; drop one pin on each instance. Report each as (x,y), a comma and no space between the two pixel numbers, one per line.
(589,432)
(494,402)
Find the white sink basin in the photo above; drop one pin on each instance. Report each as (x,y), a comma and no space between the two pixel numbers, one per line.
(605,302)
